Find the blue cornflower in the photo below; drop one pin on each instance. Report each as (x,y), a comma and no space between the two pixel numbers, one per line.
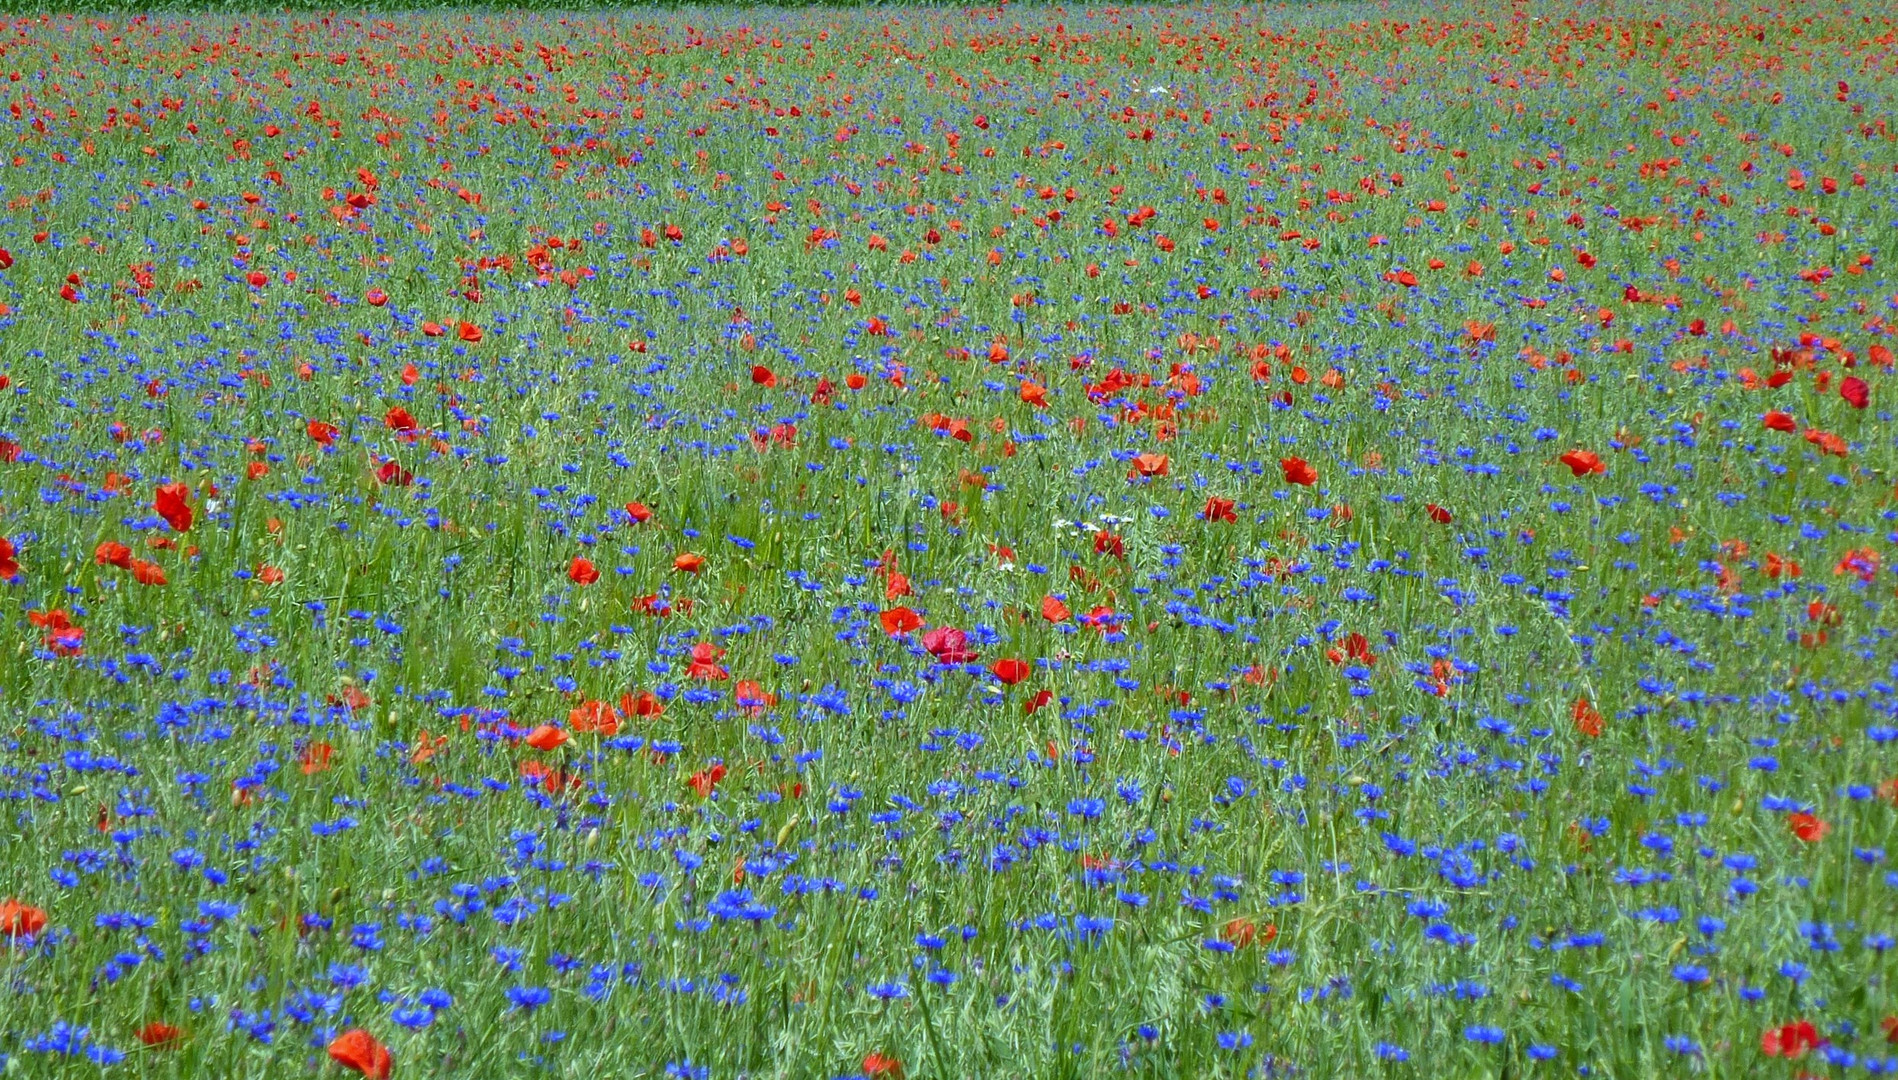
(528,998)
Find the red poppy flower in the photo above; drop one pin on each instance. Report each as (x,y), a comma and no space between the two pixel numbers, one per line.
(898,585)
(900,620)
(1861,563)
(1587,720)
(582,572)
(705,780)
(704,665)
(1010,671)
(688,562)
(468,332)
(1583,462)
(113,553)
(547,737)
(20,920)
(763,376)
(1807,827)
(1298,471)
(9,565)
(948,645)
(639,512)
(749,695)
(1779,421)
(1438,514)
(1827,442)
(170,503)
(158,1033)
(1856,392)
(315,758)
(1149,465)
(1054,610)
(1218,509)
(1791,1040)
(1241,932)
(882,1066)
(357,1049)
(595,717)
(646,706)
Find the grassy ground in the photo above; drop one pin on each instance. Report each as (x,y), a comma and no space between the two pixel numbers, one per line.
(1024,543)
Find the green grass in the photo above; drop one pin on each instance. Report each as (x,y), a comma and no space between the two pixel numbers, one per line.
(1422,843)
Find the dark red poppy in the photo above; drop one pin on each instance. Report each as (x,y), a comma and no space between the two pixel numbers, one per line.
(948,645)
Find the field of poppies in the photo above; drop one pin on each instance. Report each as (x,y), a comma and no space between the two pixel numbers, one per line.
(1341,541)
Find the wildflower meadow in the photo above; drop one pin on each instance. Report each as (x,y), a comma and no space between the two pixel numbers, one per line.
(1334,540)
